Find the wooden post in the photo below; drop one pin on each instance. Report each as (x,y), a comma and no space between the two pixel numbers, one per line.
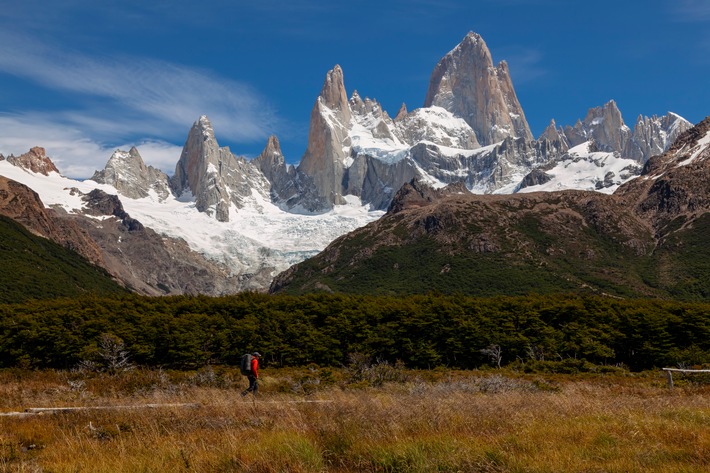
(670,375)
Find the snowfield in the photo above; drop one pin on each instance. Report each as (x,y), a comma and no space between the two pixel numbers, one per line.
(261,235)
(584,170)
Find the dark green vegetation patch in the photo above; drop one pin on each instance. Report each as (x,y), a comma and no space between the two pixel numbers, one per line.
(557,333)
(36,268)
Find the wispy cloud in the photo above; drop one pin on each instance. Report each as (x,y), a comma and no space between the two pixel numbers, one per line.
(697,12)
(73,151)
(117,100)
(691,10)
(526,64)
(158,91)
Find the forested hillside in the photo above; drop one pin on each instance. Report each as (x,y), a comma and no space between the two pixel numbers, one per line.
(33,267)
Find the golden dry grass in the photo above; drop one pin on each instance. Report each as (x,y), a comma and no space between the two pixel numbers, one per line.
(457,422)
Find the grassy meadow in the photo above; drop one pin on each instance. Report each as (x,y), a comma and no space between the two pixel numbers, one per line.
(377,419)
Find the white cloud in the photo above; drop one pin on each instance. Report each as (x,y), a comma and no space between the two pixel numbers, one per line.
(72,151)
(154,92)
(121,100)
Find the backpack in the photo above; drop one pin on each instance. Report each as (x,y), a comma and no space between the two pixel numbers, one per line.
(245,365)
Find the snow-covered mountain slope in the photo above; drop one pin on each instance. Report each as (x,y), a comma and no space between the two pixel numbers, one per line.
(258,236)
(582,168)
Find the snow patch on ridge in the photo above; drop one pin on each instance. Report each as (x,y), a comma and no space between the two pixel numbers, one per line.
(698,149)
(584,170)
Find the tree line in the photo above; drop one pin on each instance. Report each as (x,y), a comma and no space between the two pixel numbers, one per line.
(420,331)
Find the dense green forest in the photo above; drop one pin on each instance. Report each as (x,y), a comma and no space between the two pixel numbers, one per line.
(35,267)
(559,333)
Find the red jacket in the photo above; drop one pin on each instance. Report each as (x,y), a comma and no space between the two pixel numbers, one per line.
(255,366)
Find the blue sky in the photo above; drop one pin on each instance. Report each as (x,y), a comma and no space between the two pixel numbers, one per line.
(82,78)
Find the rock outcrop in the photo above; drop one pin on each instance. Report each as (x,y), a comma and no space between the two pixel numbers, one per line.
(415,194)
(605,125)
(218,180)
(466,83)
(324,161)
(35,160)
(282,177)
(131,177)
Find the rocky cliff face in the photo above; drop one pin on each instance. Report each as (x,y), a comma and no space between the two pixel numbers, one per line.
(131,177)
(282,178)
(35,160)
(653,136)
(466,83)
(605,126)
(217,179)
(324,161)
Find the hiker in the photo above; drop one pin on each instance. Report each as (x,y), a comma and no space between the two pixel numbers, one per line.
(250,369)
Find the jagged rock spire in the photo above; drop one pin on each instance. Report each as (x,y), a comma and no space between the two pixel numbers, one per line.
(324,159)
(128,173)
(200,142)
(271,161)
(333,93)
(401,113)
(216,178)
(466,83)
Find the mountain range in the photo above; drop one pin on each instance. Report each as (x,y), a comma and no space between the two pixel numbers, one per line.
(223,223)
(649,238)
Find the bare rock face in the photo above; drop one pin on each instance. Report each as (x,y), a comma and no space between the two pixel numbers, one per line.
(552,135)
(35,160)
(216,178)
(605,125)
(283,179)
(416,194)
(325,156)
(99,203)
(535,178)
(131,177)
(653,136)
(401,113)
(466,83)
